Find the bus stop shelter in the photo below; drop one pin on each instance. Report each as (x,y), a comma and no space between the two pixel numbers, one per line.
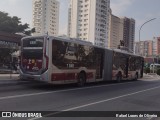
(9,43)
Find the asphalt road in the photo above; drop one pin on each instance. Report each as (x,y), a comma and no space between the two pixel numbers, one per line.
(141,95)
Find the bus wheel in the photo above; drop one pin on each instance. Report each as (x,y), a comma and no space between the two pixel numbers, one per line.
(81,80)
(119,77)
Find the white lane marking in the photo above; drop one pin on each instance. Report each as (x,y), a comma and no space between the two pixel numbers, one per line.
(42,93)
(98,102)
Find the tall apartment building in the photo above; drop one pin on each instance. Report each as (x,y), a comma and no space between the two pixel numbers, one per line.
(129,33)
(46,16)
(89,21)
(121,29)
(148,48)
(69,20)
(115,31)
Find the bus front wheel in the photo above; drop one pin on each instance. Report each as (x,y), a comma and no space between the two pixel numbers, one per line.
(81,80)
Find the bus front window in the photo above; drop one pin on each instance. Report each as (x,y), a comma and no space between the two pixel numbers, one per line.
(32,54)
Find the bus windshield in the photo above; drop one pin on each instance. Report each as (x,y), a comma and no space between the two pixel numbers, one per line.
(33,48)
(32,54)
(33,43)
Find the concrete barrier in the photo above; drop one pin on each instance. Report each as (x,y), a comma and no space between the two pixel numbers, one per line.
(152,73)
(9,76)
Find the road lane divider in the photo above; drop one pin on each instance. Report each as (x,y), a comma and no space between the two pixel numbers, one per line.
(97,102)
(58,91)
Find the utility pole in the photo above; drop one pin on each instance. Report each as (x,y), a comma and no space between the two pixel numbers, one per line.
(141,29)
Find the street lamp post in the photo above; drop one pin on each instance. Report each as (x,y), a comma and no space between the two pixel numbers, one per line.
(141,29)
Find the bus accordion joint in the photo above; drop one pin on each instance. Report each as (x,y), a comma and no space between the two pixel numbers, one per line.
(45,55)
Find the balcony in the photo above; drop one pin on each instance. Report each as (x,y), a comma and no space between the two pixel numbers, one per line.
(103,21)
(102,30)
(104,12)
(103,2)
(103,7)
(103,25)
(104,17)
(103,35)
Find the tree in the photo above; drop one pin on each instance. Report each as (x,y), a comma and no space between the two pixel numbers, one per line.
(147,70)
(5,55)
(158,72)
(13,24)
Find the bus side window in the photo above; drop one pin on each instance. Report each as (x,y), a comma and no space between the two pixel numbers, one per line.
(54,51)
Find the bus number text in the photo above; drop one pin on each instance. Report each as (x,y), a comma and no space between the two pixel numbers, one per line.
(70,65)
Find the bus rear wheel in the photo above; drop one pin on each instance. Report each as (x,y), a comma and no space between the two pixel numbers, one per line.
(81,80)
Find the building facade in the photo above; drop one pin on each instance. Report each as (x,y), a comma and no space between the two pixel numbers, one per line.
(89,21)
(128,33)
(8,43)
(148,48)
(11,41)
(121,29)
(46,16)
(158,45)
(69,21)
(115,31)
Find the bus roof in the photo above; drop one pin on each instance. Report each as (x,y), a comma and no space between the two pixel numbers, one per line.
(75,40)
(125,52)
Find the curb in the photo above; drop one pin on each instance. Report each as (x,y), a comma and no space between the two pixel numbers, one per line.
(9,76)
(150,77)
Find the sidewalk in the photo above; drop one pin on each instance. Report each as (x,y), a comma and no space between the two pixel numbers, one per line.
(9,76)
(16,77)
(150,77)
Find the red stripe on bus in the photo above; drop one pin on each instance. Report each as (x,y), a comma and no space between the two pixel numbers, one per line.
(69,76)
(90,75)
(63,76)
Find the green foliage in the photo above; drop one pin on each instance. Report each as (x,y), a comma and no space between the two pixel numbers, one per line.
(30,31)
(147,70)
(5,55)
(13,24)
(158,71)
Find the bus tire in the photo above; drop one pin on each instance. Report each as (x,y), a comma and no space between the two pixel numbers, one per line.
(81,79)
(119,77)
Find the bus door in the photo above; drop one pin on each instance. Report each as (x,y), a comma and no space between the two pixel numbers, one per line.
(142,67)
(123,63)
(127,65)
(99,57)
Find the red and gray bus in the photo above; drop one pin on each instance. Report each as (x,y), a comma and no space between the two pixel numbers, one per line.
(60,60)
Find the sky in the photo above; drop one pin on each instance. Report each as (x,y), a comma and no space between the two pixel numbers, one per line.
(140,10)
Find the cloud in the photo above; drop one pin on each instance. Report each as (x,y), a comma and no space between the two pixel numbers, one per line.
(120,6)
(12,2)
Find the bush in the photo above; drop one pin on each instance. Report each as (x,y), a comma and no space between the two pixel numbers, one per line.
(147,70)
(158,72)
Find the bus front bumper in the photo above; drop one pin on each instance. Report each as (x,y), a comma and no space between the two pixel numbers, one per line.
(29,77)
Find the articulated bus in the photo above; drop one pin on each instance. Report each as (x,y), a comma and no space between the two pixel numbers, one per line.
(60,60)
